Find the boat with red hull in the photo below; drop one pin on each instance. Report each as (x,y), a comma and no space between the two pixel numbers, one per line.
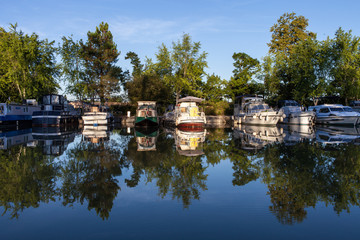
(188,114)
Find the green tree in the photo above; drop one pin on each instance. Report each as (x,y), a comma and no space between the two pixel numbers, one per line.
(346,70)
(27,65)
(242,81)
(146,84)
(100,55)
(182,68)
(214,88)
(287,33)
(72,68)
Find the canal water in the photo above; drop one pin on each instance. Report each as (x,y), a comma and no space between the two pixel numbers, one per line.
(124,183)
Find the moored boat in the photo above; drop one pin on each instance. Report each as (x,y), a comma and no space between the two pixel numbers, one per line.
(146,114)
(335,114)
(254,111)
(188,115)
(15,114)
(99,115)
(55,111)
(295,114)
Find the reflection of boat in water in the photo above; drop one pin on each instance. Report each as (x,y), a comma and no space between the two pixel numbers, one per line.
(96,134)
(190,143)
(54,140)
(254,111)
(257,137)
(297,133)
(16,137)
(146,141)
(337,134)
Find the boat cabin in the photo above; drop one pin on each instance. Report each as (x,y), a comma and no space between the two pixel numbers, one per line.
(146,109)
(249,104)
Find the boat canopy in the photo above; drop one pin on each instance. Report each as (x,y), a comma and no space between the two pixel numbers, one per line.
(191,99)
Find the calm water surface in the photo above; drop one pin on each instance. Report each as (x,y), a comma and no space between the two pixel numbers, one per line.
(246,183)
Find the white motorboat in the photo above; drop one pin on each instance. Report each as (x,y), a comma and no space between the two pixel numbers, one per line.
(97,116)
(295,114)
(253,110)
(335,114)
(187,113)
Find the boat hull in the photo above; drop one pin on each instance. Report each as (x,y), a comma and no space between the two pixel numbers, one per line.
(146,121)
(264,118)
(301,118)
(338,120)
(53,118)
(198,126)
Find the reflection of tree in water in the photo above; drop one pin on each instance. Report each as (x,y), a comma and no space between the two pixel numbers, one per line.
(286,206)
(90,175)
(299,176)
(181,176)
(245,163)
(26,179)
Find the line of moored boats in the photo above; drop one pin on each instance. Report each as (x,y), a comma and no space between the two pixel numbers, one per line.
(54,110)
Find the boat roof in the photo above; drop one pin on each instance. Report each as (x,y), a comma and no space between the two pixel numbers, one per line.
(146,102)
(191,99)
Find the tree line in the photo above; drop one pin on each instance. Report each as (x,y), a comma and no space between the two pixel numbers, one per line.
(298,66)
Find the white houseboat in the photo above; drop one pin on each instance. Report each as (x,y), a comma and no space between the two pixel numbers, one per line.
(295,114)
(99,115)
(335,114)
(55,111)
(187,113)
(11,113)
(254,111)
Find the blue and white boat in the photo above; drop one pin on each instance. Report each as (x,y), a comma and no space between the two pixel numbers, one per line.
(15,114)
(55,111)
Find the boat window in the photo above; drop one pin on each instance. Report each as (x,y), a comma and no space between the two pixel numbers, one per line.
(324,110)
(183,109)
(348,109)
(1,109)
(46,100)
(336,109)
(55,99)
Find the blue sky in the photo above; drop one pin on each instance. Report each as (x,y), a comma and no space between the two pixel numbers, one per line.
(222,26)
